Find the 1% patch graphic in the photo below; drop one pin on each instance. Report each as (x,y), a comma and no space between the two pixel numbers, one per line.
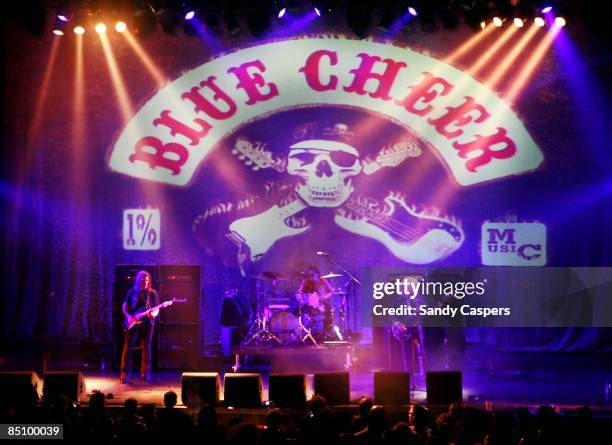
(141,229)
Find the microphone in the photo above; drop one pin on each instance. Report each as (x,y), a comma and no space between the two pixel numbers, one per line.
(322,253)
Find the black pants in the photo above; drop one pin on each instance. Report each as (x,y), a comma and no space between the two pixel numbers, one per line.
(144,331)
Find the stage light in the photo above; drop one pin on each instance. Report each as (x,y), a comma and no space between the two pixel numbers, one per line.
(539,21)
(546,9)
(120,27)
(316,10)
(79,30)
(498,22)
(560,22)
(58,32)
(483,24)
(189,15)
(518,22)
(62,17)
(281,13)
(100,28)
(412,11)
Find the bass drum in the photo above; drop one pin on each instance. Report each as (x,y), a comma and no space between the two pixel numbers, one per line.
(285,326)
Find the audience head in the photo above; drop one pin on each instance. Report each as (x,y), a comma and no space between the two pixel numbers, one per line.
(274,420)
(317,404)
(131,406)
(376,419)
(207,417)
(365,405)
(96,401)
(170,399)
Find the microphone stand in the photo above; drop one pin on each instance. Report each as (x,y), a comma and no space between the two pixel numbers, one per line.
(352,281)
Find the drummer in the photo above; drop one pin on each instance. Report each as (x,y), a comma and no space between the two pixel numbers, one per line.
(314,296)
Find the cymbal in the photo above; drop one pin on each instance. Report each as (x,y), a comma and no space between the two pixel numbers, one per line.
(332,275)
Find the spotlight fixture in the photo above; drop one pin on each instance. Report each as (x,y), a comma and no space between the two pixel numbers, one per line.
(189,14)
(60,25)
(498,22)
(539,21)
(317,12)
(62,17)
(79,30)
(519,23)
(100,28)
(546,9)
(413,12)
(281,13)
(120,26)
(560,21)
(483,24)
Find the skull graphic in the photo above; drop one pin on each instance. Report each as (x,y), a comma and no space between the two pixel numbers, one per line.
(325,169)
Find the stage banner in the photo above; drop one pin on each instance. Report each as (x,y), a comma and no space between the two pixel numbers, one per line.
(475,134)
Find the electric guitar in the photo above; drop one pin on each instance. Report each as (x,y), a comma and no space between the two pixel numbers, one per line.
(138,317)
(261,231)
(413,237)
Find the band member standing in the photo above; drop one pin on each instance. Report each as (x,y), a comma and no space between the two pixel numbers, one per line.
(315,292)
(139,298)
(407,346)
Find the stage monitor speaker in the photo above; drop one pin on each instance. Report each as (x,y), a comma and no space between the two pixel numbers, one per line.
(69,384)
(187,311)
(287,391)
(444,387)
(200,388)
(392,388)
(20,385)
(178,346)
(334,386)
(242,390)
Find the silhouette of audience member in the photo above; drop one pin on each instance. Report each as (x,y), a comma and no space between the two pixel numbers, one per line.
(95,421)
(311,425)
(373,433)
(130,427)
(421,421)
(274,434)
(149,417)
(208,428)
(172,422)
(360,421)
(242,434)
(401,434)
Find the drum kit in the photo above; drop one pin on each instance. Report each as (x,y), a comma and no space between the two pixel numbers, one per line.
(291,318)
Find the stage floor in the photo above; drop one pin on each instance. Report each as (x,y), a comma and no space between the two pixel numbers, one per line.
(508,381)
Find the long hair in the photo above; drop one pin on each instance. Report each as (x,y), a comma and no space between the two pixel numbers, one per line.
(141,275)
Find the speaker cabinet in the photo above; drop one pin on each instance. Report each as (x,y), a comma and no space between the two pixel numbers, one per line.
(334,386)
(20,385)
(444,387)
(287,391)
(178,346)
(242,390)
(392,388)
(69,384)
(181,282)
(200,388)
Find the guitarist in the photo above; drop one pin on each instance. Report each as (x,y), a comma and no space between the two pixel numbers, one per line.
(138,299)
